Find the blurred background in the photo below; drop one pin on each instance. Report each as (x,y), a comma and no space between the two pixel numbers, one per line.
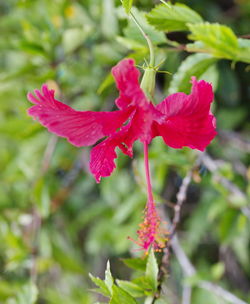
(56,223)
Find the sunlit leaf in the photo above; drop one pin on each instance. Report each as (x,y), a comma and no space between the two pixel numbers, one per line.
(132,288)
(136,263)
(168,17)
(127,4)
(109,281)
(120,296)
(219,40)
(108,81)
(194,65)
(152,270)
(100,283)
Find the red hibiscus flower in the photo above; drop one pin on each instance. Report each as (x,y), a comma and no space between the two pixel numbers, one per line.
(181,120)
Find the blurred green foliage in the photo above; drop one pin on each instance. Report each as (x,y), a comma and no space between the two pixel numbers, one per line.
(56,224)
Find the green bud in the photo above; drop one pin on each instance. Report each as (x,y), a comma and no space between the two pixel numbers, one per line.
(148,82)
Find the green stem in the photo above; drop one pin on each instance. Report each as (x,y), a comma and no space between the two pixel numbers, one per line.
(149,42)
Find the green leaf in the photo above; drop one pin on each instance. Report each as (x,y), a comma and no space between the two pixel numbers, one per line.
(32,48)
(168,17)
(109,281)
(108,81)
(144,283)
(216,39)
(136,263)
(194,65)
(244,51)
(132,288)
(227,226)
(100,283)
(133,33)
(127,4)
(152,270)
(120,296)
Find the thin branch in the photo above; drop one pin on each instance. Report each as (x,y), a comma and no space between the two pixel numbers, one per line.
(186,265)
(181,197)
(231,187)
(182,258)
(236,140)
(149,42)
(186,294)
(221,292)
(189,270)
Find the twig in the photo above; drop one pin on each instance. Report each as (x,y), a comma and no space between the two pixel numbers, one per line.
(149,42)
(186,265)
(181,197)
(213,168)
(182,258)
(221,292)
(189,270)
(186,294)
(235,139)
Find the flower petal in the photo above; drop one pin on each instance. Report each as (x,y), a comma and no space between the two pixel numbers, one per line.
(188,121)
(140,127)
(127,81)
(102,156)
(81,128)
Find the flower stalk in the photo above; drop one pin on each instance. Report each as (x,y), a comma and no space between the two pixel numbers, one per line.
(148,79)
(149,42)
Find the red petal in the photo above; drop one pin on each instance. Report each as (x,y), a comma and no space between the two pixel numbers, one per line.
(189,121)
(140,127)
(81,128)
(102,156)
(102,159)
(127,80)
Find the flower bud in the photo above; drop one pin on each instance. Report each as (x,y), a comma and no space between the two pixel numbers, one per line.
(148,82)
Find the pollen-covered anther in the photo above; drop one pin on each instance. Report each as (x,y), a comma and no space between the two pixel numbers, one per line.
(151,234)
